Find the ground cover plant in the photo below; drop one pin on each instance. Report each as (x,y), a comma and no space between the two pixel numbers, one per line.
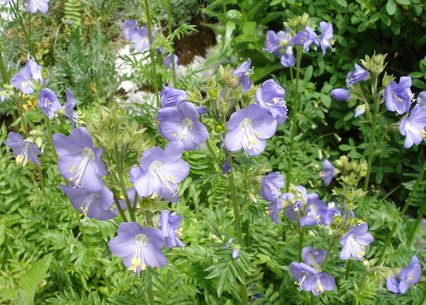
(212,152)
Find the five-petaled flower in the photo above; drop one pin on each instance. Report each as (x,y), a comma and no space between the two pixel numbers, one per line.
(271,96)
(355,241)
(398,95)
(79,162)
(48,102)
(326,36)
(23,80)
(328,172)
(180,124)
(138,35)
(138,247)
(407,276)
(271,185)
(171,97)
(69,108)
(22,150)
(168,61)
(38,5)
(413,127)
(353,77)
(159,172)
(249,128)
(169,224)
(305,38)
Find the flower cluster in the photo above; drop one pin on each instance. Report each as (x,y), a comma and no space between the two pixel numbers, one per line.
(407,276)
(281,44)
(309,276)
(137,35)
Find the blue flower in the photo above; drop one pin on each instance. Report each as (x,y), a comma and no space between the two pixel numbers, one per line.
(23,80)
(168,60)
(408,276)
(171,97)
(271,96)
(398,95)
(242,74)
(170,226)
(413,126)
(277,43)
(328,172)
(38,5)
(340,94)
(326,36)
(271,185)
(305,38)
(48,102)
(355,241)
(22,150)
(353,77)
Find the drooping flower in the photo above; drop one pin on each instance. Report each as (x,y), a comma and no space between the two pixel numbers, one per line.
(288,59)
(171,97)
(159,172)
(138,247)
(359,110)
(249,128)
(407,276)
(340,94)
(38,5)
(277,43)
(305,38)
(355,241)
(271,185)
(398,95)
(170,226)
(271,96)
(69,107)
(22,150)
(168,61)
(353,77)
(79,162)
(181,124)
(242,74)
(97,205)
(413,127)
(326,36)
(48,102)
(23,80)
(328,172)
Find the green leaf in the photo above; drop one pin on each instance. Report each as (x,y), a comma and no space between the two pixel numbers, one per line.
(416,74)
(363,26)
(234,14)
(33,277)
(404,2)
(391,7)
(8,293)
(342,3)
(2,234)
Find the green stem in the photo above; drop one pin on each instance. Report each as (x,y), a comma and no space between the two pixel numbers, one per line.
(301,236)
(14,8)
(151,53)
(404,209)
(348,267)
(169,13)
(3,70)
(293,120)
(416,225)
(120,210)
(213,153)
(372,146)
(150,289)
(42,183)
(330,246)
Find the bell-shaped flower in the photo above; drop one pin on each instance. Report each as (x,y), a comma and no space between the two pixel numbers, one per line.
(99,205)
(249,128)
(170,226)
(23,80)
(328,172)
(359,75)
(359,110)
(138,247)
(271,185)
(242,74)
(355,241)
(79,162)
(22,150)
(340,94)
(413,127)
(326,36)
(398,95)
(288,59)
(181,124)
(171,97)
(305,38)
(271,96)
(38,5)
(159,172)
(408,276)
(48,102)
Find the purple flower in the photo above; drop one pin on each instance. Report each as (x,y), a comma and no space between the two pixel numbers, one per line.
(277,43)
(340,94)
(69,107)
(271,96)
(48,102)
(129,27)
(305,38)
(171,97)
(22,150)
(288,59)
(202,110)
(413,126)
(328,172)
(421,99)
(271,185)
(310,279)
(23,80)
(249,128)
(170,226)
(38,5)
(180,124)
(326,36)
(408,276)
(353,77)
(168,60)
(242,73)
(277,205)
(97,205)
(235,253)
(79,162)
(159,172)
(138,35)
(301,200)
(317,213)
(359,110)
(355,241)
(398,96)
(313,257)
(139,247)
(226,167)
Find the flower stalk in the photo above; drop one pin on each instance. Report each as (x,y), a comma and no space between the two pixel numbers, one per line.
(169,14)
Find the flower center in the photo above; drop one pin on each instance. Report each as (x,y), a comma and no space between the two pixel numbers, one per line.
(155,168)
(138,260)
(22,158)
(251,135)
(88,156)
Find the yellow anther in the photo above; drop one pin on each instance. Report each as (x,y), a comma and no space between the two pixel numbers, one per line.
(275,100)
(71,178)
(143,267)
(257,134)
(72,169)
(179,232)
(174,135)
